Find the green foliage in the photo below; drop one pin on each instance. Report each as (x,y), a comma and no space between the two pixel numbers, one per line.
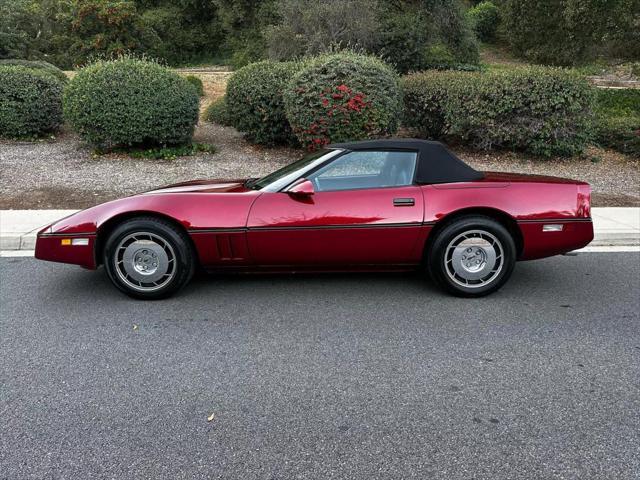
(73,32)
(242,22)
(484,18)
(131,102)
(437,55)
(197,84)
(343,97)
(543,111)
(30,102)
(428,34)
(164,153)
(14,37)
(618,102)
(570,32)
(40,65)
(255,104)
(617,121)
(181,32)
(217,112)
(309,27)
(107,28)
(411,35)
(426,101)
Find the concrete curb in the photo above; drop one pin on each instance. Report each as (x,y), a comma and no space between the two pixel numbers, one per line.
(18,228)
(614,226)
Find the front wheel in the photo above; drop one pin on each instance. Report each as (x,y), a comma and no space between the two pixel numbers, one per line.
(148,258)
(472,256)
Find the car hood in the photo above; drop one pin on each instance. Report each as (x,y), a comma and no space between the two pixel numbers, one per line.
(203,186)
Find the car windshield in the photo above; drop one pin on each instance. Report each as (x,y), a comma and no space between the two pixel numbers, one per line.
(285,175)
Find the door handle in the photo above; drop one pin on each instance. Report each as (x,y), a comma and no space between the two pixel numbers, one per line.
(404,202)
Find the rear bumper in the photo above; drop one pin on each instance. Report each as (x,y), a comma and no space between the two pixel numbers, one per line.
(51,247)
(538,243)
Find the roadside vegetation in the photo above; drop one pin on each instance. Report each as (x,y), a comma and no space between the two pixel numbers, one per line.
(500,76)
(131,103)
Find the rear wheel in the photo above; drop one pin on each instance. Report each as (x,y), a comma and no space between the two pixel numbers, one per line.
(472,256)
(148,258)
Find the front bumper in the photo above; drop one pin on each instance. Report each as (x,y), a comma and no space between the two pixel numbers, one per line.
(65,248)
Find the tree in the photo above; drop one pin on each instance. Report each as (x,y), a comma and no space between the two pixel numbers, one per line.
(410,34)
(568,32)
(311,27)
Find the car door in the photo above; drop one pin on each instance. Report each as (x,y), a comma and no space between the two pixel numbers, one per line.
(364,211)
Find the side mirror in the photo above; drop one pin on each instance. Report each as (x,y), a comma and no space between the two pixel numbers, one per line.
(303,188)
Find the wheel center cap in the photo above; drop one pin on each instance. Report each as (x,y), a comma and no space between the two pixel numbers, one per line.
(145,261)
(473,259)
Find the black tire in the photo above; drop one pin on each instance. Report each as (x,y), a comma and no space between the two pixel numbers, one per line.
(448,254)
(139,250)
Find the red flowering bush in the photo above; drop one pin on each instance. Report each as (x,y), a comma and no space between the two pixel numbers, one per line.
(342,97)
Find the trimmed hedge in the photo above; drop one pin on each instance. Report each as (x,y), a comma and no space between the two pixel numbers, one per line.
(544,111)
(197,83)
(30,102)
(617,122)
(254,101)
(40,65)
(341,97)
(426,96)
(217,112)
(131,102)
(484,19)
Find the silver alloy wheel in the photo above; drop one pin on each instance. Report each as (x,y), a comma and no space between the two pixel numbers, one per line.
(474,258)
(145,261)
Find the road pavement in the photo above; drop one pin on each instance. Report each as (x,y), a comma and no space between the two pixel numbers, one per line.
(322,377)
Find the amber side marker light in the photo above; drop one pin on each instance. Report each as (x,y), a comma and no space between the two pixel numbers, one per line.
(74,241)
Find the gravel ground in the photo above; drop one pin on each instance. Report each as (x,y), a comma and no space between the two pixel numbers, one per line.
(63,173)
(614,177)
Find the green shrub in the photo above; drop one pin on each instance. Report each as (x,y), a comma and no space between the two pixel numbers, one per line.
(165,153)
(619,133)
(217,112)
(543,111)
(38,65)
(416,36)
(617,121)
(571,32)
(618,101)
(426,99)
(197,83)
(343,97)
(255,104)
(30,102)
(131,102)
(310,27)
(438,56)
(484,19)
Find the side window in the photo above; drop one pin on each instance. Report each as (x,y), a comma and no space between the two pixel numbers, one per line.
(366,169)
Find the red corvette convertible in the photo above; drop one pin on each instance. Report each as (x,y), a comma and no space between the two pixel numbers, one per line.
(372,205)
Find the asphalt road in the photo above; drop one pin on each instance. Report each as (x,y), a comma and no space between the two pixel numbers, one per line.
(355,377)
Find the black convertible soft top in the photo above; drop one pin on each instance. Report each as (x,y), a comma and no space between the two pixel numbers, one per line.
(436,164)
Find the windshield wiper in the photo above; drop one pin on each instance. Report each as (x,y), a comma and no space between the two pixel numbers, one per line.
(251,183)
